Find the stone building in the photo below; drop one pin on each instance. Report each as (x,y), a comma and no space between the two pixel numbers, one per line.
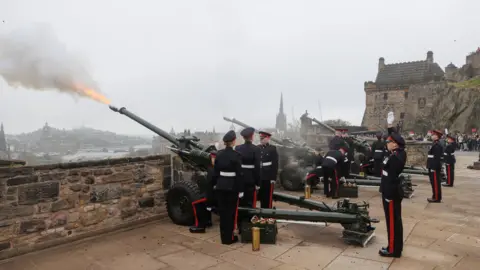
(281,121)
(392,87)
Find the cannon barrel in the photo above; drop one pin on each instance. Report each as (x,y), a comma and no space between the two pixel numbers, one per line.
(160,132)
(360,143)
(413,171)
(235,121)
(331,217)
(145,123)
(301,202)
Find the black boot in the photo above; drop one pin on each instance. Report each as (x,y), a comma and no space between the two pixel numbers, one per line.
(384,253)
(433,200)
(195,229)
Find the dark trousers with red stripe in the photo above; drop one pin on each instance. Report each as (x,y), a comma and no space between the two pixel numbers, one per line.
(330,182)
(202,216)
(393,218)
(266,191)
(228,211)
(450,174)
(249,200)
(436,182)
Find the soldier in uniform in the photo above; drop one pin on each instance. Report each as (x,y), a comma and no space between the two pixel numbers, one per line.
(269,156)
(227,178)
(317,172)
(350,153)
(378,151)
(336,140)
(332,171)
(449,158)
(392,192)
(251,170)
(434,166)
(202,208)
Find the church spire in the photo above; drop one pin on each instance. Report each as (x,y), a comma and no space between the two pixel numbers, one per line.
(281,103)
(3,141)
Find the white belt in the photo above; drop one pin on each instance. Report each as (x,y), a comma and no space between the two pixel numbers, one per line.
(248,166)
(448,154)
(319,167)
(379,151)
(228,174)
(267,163)
(430,156)
(329,157)
(385,173)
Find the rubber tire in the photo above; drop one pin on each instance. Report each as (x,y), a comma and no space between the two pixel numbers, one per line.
(291,178)
(182,190)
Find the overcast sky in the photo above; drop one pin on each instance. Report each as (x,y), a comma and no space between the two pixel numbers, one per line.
(185,64)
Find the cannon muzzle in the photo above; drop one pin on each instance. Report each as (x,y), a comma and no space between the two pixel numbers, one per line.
(113,108)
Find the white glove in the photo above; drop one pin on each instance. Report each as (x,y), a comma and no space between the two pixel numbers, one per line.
(387,200)
(257,187)
(342,179)
(390,118)
(240,195)
(272,181)
(209,209)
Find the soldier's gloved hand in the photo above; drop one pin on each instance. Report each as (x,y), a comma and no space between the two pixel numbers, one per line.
(390,118)
(342,179)
(272,181)
(209,208)
(240,195)
(257,187)
(387,200)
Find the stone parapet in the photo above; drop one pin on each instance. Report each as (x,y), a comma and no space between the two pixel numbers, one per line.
(41,205)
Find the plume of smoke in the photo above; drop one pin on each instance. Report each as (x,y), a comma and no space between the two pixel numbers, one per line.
(34,58)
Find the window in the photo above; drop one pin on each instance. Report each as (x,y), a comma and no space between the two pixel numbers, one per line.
(385,96)
(406,95)
(402,115)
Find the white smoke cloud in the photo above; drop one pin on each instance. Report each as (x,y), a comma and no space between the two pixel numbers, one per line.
(34,58)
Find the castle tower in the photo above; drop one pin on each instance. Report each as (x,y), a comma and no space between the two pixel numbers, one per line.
(3,141)
(281,121)
(430,57)
(381,63)
(450,72)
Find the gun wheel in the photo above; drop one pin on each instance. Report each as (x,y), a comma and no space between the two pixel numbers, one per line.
(291,179)
(179,202)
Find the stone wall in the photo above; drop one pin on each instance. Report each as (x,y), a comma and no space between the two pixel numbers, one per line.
(41,206)
(381,101)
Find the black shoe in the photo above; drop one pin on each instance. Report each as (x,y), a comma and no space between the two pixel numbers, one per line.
(235,239)
(209,224)
(445,185)
(433,201)
(335,197)
(384,253)
(195,229)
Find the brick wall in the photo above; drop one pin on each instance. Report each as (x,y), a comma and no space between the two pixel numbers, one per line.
(381,101)
(46,205)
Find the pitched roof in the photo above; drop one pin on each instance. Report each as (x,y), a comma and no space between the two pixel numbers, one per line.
(409,73)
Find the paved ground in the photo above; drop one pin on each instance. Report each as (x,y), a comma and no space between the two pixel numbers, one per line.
(437,236)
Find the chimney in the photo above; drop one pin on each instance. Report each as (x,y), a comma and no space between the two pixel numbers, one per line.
(381,63)
(430,57)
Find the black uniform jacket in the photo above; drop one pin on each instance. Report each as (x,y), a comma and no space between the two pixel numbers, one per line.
(227,171)
(378,149)
(269,165)
(250,163)
(334,159)
(318,165)
(449,154)
(393,165)
(336,143)
(435,154)
(351,150)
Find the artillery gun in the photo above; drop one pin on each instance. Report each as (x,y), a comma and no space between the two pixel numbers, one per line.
(295,160)
(353,217)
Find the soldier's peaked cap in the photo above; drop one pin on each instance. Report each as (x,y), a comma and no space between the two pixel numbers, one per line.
(230,136)
(397,138)
(438,132)
(341,129)
(247,132)
(264,133)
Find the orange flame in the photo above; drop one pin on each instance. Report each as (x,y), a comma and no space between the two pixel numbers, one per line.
(89,92)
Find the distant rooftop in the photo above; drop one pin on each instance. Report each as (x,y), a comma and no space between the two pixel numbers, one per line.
(409,72)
